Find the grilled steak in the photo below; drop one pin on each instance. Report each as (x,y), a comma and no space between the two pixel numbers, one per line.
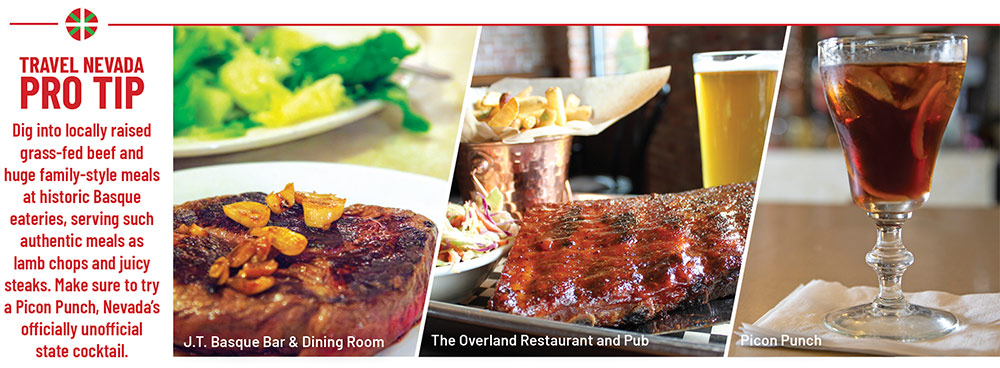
(365,277)
(625,261)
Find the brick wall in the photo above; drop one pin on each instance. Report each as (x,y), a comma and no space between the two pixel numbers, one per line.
(505,50)
(578,48)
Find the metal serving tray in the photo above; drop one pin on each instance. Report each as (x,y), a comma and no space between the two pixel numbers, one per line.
(669,335)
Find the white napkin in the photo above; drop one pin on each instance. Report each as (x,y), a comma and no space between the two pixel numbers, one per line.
(801,314)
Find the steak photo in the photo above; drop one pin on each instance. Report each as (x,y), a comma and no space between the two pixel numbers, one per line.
(363,277)
(626,261)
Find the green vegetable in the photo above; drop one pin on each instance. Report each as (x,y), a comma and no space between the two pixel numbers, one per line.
(392,93)
(324,97)
(234,129)
(369,61)
(281,45)
(194,45)
(252,82)
(224,85)
(197,102)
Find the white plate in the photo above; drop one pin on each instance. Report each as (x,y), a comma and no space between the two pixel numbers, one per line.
(358,184)
(455,283)
(263,137)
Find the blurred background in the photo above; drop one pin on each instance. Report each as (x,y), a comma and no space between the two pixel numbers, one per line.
(804,163)
(654,149)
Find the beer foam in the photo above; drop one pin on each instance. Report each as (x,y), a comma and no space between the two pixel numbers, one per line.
(765,60)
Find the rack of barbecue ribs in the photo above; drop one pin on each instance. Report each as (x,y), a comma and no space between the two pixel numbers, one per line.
(626,261)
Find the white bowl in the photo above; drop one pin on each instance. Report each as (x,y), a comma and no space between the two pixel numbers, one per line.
(455,283)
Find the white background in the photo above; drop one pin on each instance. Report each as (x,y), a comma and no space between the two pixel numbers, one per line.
(153,106)
(154,44)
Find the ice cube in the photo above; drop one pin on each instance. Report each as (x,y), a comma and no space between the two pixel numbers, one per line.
(868,80)
(845,107)
(899,74)
(920,87)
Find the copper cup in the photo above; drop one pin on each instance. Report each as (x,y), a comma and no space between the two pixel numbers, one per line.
(525,173)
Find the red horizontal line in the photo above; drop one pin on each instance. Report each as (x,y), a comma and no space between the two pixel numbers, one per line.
(887,25)
(537,24)
(33,24)
(286,24)
(301,24)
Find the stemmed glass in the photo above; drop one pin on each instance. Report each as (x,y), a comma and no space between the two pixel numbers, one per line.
(890,98)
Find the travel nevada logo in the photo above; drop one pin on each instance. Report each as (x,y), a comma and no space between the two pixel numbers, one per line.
(81,24)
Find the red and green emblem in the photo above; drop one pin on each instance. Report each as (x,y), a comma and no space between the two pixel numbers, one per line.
(81,24)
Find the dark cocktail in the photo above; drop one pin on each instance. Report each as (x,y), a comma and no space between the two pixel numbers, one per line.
(891,98)
(890,119)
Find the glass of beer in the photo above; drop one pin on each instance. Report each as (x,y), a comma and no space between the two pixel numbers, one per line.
(890,98)
(734,91)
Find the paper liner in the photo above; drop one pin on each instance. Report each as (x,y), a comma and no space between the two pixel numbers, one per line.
(611,97)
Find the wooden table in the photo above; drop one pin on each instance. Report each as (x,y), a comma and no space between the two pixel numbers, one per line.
(957,250)
(379,140)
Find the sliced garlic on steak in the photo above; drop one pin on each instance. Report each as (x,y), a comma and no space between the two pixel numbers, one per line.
(254,268)
(288,194)
(242,253)
(281,201)
(275,204)
(221,265)
(249,214)
(250,286)
(196,230)
(219,270)
(287,242)
(320,210)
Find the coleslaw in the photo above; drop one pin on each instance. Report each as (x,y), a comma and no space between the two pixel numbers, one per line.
(475,228)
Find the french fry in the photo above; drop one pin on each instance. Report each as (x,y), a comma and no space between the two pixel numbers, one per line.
(555,100)
(483,114)
(491,99)
(581,113)
(530,105)
(516,124)
(506,115)
(525,93)
(528,123)
(504,97)
(572,102)
(547,118)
